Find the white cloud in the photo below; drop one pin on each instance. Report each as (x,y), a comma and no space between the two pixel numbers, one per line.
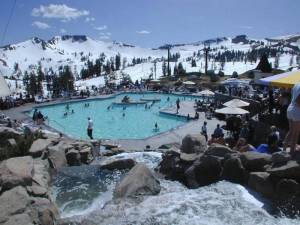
(62,31)
(104,27)
(40,25)
(89,19)
(143,32)
(246,27)
(62,11)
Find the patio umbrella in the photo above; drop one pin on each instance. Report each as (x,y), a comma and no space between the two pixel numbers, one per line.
(283,80)
(236,103)
(189,82)
(231,111)
(206,92)
(4,89)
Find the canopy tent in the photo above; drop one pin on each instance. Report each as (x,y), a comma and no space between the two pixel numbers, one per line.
(189,82)
(236,103)
(4,89)
(284,80)
(206,92)
(232,111)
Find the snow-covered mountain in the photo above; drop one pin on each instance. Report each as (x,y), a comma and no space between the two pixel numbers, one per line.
(75,50)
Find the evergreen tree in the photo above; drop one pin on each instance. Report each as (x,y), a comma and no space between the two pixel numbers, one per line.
(164,68)
(292,60)
(264,65)
(40,79)
(32,84)
(181,70)
(26,82)
(66,79)
(175,70)
(194,63)
(124,62)
(118,61)
(276,62)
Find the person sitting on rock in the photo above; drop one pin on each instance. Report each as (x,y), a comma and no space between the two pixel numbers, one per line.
(218,132)
(243,146)
(271,147)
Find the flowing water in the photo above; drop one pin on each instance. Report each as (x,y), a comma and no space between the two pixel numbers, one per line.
(84,195)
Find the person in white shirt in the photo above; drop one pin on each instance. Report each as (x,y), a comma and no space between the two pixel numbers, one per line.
(90,128)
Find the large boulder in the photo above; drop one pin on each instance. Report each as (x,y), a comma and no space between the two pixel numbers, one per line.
(14,201)
(173,167)
(255,161)
(73,157)
(7,133)
(118,164)
(204,171)
(16,171)
(261,182)
(85,154)
(287,187)
(193,143)
(219,150)
(139,181)
(19,219)
(280,158)
(56,155)
(290,170)
(39,146)
(234,171)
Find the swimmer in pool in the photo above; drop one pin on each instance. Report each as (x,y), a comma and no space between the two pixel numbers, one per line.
(156,128)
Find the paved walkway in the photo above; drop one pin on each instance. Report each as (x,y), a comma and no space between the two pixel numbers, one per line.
(186,107)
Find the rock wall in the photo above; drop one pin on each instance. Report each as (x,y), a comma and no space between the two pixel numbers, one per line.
(276,176)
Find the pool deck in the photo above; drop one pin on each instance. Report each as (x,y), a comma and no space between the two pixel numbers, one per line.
(186,107)
(172,136)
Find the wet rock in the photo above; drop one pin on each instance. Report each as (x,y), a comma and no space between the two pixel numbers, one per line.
(44,211)
(13,202)
(41,175)
(39,146)
(290,170)
(84,154)
(139,181)
(173,167)
(261,182)
(20,219)
(56,155)
(219,150)
(16,171)
(73,157)
(204,171)
(118,164)
(7,133)
(37,191)
(286,188)
(280,158)
(234,171)
(254,161)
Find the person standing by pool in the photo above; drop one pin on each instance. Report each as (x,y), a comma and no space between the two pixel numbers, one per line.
(90,128)
(293,115)
(177,105)
(204,130)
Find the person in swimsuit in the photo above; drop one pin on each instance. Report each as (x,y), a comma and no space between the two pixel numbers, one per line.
(293,115)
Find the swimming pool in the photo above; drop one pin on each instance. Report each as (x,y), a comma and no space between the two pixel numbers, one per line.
(117,122)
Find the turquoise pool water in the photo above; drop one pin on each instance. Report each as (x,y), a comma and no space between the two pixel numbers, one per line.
(137,122)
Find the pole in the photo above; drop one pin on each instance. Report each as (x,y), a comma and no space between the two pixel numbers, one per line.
(169,61)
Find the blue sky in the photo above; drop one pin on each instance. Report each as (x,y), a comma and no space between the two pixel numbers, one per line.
(149,23)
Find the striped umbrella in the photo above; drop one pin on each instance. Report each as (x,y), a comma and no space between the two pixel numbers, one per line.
(283,80)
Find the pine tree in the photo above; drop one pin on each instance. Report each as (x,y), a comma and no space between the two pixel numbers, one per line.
(181,70)
(264,65)
(164,68)
(32,84)
(194,63)
(175,70)
(292,60)
(276,62)
(118,61)
(26,82)
(40,79)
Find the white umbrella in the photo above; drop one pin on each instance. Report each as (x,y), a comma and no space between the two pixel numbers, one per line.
(206,92)
(189,82)
(236,103)
(4,89)
(232,111)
